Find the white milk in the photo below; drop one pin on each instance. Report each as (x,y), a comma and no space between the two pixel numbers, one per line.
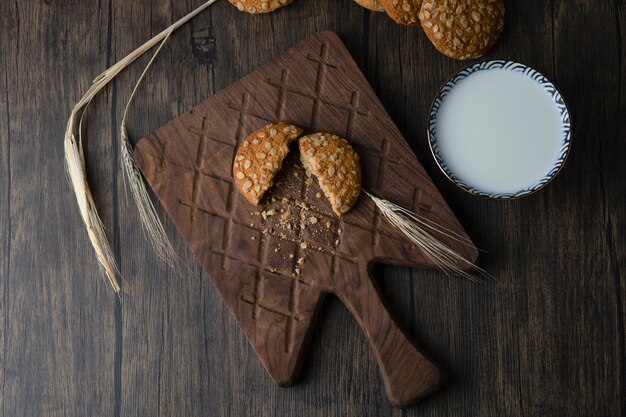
(499,131)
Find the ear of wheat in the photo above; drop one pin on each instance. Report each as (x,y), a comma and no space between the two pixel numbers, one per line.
(422,233)
(150,221)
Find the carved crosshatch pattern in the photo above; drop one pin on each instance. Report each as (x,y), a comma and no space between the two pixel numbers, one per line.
(252,262)
(317,95)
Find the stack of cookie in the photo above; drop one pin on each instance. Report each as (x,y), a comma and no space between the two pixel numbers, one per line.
(460,29)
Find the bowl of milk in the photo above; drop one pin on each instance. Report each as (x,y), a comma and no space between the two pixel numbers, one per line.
(499,129)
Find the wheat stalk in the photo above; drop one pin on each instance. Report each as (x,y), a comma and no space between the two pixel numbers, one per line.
(419,230)
(75,160)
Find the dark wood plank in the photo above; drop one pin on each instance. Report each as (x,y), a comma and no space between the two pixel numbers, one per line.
(167,387)
(58,353)
(164,364)
(615,151)
(7,17)
(570,308)
(547,338)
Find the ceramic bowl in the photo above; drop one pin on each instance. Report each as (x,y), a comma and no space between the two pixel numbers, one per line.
(467,177)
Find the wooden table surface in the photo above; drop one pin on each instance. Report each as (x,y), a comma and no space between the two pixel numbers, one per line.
(546,338)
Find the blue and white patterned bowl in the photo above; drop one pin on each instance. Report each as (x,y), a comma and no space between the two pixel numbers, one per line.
(537,77)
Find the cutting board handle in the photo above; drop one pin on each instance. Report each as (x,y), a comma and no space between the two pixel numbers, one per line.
(407,374)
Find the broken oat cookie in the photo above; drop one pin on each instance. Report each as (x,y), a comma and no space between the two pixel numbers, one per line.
(260,157)
(336,165)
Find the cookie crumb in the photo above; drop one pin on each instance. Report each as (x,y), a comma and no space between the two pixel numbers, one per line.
(304,245)
(313,220)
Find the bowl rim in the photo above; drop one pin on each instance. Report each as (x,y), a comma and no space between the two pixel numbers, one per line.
(535,75)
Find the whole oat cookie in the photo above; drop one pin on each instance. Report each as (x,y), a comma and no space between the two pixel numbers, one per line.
(260,157)
(336,166)
(373,5)
(404,12)
(259,6)
(462,29)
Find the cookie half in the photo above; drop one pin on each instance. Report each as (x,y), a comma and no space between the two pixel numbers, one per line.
(462,29)
(336,166)
(259,6)
(260,157)
(404,12)
(373,5)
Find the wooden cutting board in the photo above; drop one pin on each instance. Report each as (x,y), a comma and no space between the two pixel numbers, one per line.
(274,278)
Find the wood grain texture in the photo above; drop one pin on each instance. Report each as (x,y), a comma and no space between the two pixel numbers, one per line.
(58,349)
(5,215)
(546,338)
(274,277)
